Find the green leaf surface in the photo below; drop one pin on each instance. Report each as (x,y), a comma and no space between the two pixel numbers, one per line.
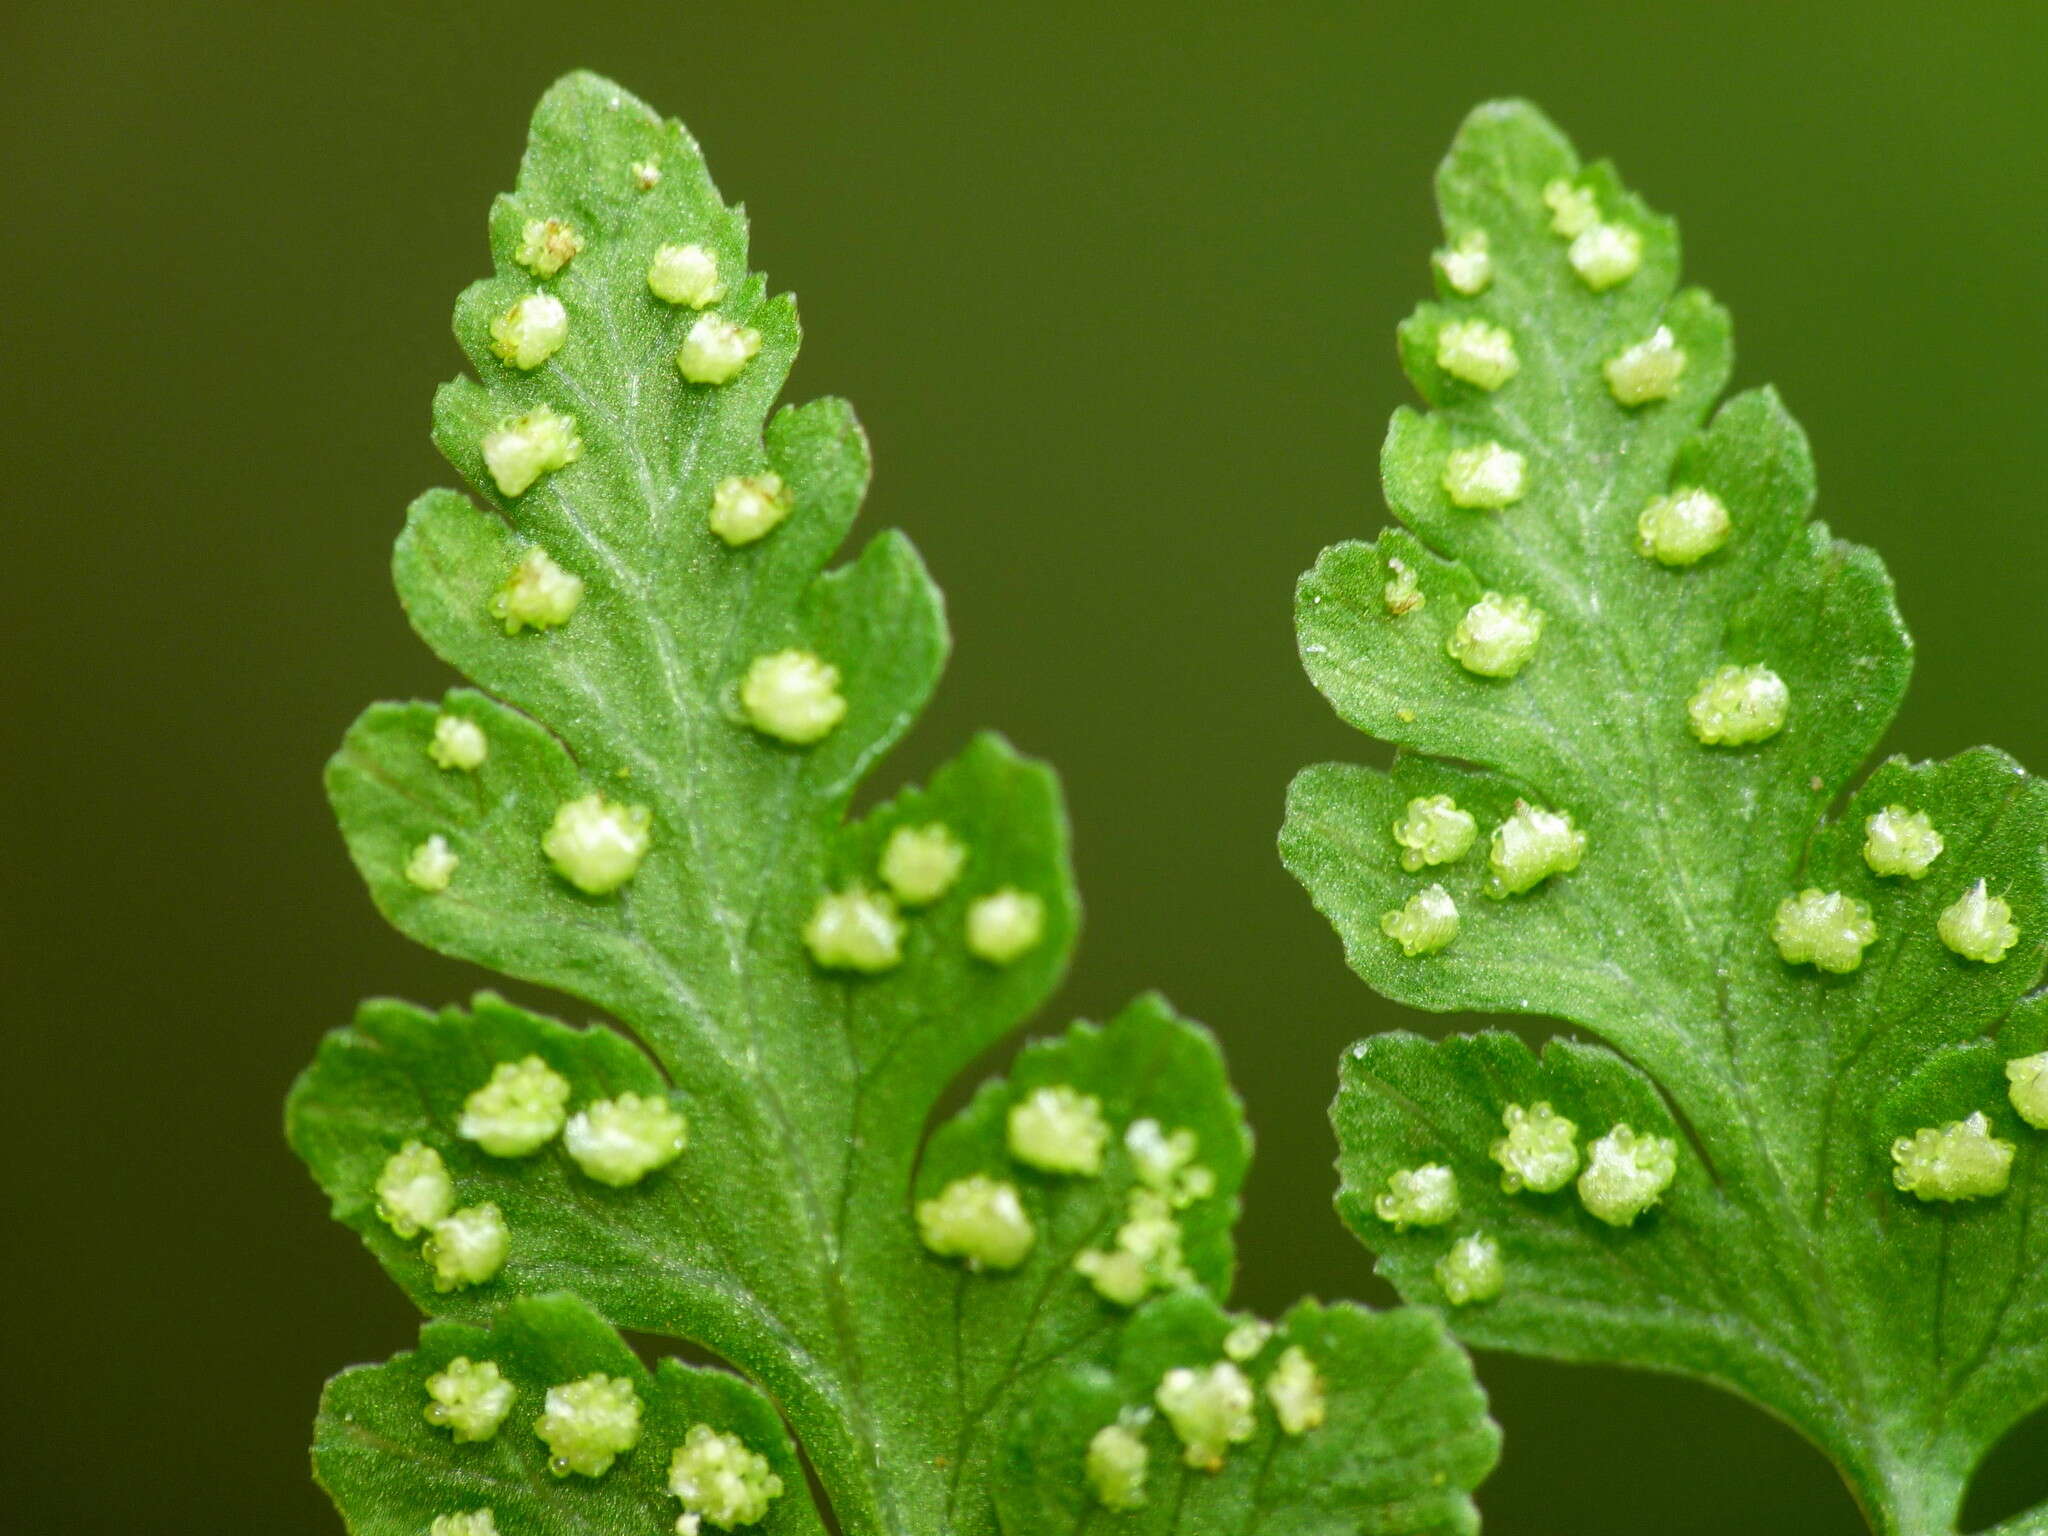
(1401,1441)
(392,1472)
(785,1236)
(1904,1337)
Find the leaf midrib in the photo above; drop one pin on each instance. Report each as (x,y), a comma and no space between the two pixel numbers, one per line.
(1682,898)
(756,1086)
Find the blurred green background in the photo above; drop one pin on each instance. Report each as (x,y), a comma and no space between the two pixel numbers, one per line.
(1114,291)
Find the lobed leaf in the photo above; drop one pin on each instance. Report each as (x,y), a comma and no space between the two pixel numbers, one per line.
(615,810)
(392,1472)
(1901,1334)
(1401,1443)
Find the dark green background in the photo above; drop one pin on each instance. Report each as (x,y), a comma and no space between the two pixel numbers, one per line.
(1114,290)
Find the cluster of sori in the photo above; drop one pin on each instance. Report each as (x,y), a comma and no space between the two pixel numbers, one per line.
(587,1425)
(595,844)
(1209,1408)
(861,928)
(1528,847)
(1619,1175)
(519,451)
(1056,1129)
(523,1107)
(1604,254)
(1829,930)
